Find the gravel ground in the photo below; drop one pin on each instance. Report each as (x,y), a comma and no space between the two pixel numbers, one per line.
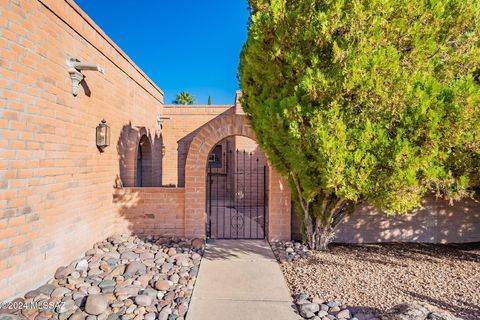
(375,278)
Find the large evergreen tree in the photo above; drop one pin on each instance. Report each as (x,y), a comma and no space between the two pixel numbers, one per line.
(373,101)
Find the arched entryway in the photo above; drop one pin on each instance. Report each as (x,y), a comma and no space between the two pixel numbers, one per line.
(236,190)
(277,213)
(143,176)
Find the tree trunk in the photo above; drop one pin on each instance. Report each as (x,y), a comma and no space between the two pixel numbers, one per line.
(325,236)
(321,220)
(321,216)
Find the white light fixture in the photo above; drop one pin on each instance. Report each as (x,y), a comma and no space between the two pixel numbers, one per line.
(160,119)
(74,69)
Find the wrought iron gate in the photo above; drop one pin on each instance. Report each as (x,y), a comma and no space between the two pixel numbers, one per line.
(236,196)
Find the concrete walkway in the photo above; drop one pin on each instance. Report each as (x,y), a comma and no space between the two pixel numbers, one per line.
(240,280)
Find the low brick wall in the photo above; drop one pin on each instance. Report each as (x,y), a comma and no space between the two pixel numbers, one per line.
(436,222)
(150,211)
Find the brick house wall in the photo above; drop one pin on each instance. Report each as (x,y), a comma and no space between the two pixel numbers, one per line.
(56,188)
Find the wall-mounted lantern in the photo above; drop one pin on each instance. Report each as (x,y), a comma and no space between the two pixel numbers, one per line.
(164,150)
(103,135)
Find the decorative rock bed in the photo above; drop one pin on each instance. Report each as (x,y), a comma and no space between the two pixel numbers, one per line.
(123,277)
(417,311)
(290,251)
(291,254)
(315,309)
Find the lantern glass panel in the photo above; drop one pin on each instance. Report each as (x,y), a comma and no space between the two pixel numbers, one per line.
(107,136)
(103,135)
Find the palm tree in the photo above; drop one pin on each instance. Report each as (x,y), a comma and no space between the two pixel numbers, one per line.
(184,98)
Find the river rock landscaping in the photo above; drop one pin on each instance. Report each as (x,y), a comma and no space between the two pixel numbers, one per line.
(313,308)
(385,281)
(123,277)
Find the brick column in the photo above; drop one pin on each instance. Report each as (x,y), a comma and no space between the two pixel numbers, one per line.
(279,207)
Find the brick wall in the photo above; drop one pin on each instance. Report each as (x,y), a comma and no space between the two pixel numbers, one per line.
(436,222)
(279,206)
(184,124)
(150,211)
(56,189)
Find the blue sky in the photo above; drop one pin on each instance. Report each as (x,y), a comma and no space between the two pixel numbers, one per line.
(182,45)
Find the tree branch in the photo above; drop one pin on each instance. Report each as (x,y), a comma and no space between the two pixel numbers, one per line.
(299,191)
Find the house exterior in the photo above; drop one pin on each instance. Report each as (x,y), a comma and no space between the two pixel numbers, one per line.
(167,171)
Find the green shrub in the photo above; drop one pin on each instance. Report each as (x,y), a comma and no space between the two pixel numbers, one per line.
(372,101)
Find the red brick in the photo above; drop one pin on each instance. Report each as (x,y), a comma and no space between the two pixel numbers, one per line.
(7,233)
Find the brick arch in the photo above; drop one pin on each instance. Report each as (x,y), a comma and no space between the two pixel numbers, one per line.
(127,148)
(206,138)
(143,162)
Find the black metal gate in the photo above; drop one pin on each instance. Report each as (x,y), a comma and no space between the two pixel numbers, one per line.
(236,196)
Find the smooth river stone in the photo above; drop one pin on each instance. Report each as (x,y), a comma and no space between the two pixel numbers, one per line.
(162,285)
(96,304)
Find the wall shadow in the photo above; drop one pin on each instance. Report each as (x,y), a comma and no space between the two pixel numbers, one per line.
(128,144)
(436,222)
(143,206)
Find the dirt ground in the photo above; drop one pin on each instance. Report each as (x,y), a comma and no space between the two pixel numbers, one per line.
(378,277)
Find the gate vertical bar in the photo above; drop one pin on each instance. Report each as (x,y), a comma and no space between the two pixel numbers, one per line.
(216,201)
(257,195)
(250,196)
(236,190)
(226,202)
(264,200)
(244,191)
(209,193)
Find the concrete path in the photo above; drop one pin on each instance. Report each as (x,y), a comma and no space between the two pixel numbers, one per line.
(240,280)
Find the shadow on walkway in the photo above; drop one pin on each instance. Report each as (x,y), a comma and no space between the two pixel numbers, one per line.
(240,280)
(238,250)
